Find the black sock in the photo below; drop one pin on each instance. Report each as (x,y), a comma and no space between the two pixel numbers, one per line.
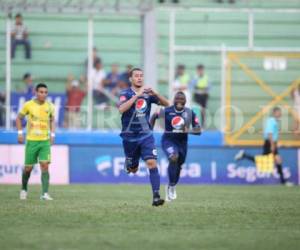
(249,157)
(172,171)
(280,172)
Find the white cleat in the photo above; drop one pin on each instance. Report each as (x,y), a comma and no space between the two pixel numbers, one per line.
(46,197)
(167,198)
(172,192)
(23,195)
(289,184)
(239,155)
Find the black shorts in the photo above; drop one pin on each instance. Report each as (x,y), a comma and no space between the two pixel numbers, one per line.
(201,99)
(267,148)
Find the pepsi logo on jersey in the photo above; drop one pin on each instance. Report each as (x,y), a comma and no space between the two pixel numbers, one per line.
(178,123)
(141,105)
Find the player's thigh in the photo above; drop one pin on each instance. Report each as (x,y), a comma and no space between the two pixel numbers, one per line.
(31,153)
(132,153)
(148,149)
(170,149)
(44,153)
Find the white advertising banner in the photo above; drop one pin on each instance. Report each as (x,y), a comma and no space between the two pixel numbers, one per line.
(12,163)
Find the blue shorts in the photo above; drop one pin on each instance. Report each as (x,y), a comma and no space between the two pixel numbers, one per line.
(135,150)
(173,148)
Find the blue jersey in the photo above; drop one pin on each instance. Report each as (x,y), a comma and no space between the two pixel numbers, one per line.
(135,121)
(271,127)
(177,123)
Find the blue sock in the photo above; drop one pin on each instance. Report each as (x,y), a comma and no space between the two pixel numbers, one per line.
(178,170)
(155,181)
(172,171)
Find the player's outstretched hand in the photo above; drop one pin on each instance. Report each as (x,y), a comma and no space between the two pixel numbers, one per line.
(20,139)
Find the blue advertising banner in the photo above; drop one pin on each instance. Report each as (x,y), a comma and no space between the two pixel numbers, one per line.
(211,165)
(59,100)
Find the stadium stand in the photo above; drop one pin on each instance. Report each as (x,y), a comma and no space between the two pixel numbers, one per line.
(59,44)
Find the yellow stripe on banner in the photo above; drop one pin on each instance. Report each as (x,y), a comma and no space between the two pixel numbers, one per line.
(289,55)
(283,143)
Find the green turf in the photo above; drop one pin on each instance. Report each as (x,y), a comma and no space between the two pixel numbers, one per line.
(121,217)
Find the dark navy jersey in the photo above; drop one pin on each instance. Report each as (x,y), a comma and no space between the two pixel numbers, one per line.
(177,123)
(135,121)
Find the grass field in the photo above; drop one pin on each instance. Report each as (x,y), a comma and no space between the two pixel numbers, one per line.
(121,217)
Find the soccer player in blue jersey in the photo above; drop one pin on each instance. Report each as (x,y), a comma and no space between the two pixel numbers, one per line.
(138,141)
(177,121)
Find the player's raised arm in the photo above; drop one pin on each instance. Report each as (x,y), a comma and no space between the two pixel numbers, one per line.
(125,104)
(161,99)
(196,128)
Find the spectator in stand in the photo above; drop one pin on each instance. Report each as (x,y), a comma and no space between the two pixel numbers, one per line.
(112,78)
(96,59)
(181,83)
(29,86)
(2,109)
(201,87)
(19,36)
(75,97)
(295,94)
(124,82)
(98,75)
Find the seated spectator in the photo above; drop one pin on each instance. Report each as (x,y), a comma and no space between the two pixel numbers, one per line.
(29,86)
(124,82)
(75,96)
(98,75)
(181,82)
(111,80)
(19,36)
(96,59)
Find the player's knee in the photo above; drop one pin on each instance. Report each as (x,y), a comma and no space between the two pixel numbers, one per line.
(278,159)
(28,169)
(151,163)
(44,166)
(173,158)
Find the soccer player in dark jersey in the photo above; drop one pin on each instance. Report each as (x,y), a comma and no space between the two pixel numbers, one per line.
(138,141)
(177,121)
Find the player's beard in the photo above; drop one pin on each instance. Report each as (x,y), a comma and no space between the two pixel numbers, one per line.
(179,106)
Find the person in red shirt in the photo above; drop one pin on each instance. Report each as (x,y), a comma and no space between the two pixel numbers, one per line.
(75,96)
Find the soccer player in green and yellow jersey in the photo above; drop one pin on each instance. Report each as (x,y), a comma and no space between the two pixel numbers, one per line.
(40,135)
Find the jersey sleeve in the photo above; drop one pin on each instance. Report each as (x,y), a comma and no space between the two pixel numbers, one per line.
(195,120)
(24,111)
(269,127)
(123,97)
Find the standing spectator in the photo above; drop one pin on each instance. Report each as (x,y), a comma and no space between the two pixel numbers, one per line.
(296,98)
(96,59)
(2,109)
(75,96)
(98,75)
(201,91)
(112,78)
(29,86)
(181,83)
(19,36)
(124,82)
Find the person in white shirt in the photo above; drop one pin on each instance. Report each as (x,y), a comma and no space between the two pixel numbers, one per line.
(19,36)
(98,76)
